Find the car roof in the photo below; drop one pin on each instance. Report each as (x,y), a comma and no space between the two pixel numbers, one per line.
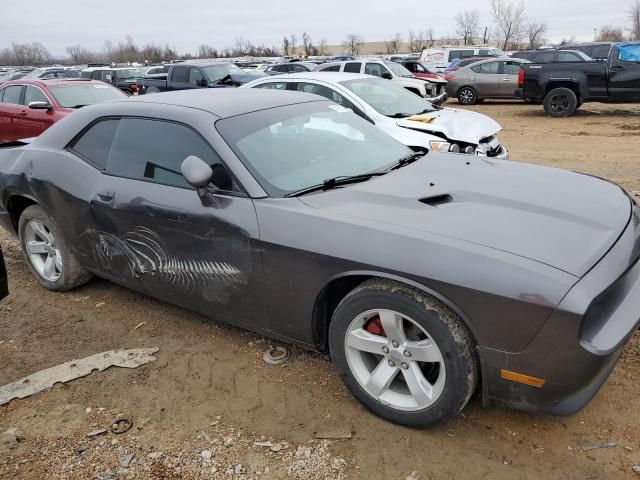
(228,102)
(331,77)
(47,82)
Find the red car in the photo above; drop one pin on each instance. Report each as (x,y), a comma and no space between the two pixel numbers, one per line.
(421,69)
(29,107)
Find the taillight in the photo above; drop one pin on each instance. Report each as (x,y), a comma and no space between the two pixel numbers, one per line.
(521,77)
(449,76)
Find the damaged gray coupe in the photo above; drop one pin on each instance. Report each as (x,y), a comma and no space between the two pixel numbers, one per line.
(422,276)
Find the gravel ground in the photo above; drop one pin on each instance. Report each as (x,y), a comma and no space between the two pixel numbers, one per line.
(209,407)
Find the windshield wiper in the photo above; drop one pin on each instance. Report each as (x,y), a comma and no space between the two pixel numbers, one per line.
(334,183)
(407,160)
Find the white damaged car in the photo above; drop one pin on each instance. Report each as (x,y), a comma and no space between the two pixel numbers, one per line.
(412,120)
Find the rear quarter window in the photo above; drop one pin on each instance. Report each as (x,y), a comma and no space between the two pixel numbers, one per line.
(332,68)
(95,144)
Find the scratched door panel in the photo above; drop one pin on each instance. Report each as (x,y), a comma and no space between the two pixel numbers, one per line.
(167,244)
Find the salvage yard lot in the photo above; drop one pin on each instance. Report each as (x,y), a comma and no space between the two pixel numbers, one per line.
(209,386)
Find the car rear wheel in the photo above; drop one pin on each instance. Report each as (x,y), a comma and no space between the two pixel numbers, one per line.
(151,90)
(403,354)
(467,96)
(47,254)
(560,102)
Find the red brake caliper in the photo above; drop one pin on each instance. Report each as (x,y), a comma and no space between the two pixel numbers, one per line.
(374,325)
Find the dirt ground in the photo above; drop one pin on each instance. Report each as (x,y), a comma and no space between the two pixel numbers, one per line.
(209,407)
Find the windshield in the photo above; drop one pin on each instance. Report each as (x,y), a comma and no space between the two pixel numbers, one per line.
(387,98)
(129,73)
(69,96)
(298,146)
(218,72)
(398,69)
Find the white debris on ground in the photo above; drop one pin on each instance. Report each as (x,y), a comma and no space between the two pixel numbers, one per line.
(215,457)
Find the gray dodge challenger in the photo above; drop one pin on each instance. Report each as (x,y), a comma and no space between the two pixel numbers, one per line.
(422,276)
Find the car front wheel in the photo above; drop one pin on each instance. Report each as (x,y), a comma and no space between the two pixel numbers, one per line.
(403,354)
(48,256)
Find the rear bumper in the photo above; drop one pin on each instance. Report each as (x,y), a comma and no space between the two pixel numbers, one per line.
(579,345)
(518,93)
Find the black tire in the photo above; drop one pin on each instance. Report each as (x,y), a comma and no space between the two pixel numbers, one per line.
(560,102)
(72,275)
(151,90)
(467,96)
(444,327)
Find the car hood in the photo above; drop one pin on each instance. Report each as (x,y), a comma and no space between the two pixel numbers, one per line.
(460,125)
(562,219)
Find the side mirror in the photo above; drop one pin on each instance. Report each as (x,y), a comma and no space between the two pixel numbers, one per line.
(197,173)
(201,83)
(387,76)
(40,106)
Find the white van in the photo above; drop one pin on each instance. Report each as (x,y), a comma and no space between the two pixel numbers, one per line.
(441,57)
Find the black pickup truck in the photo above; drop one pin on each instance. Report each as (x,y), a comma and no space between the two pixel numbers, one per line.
(183,76)
(563,86)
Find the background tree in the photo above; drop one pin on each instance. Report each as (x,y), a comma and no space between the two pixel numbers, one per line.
(293,39)
(417,40)
(634,16)
(468,25)
(608,33)
(80,55)
(322,47)
(509,19)
(307,44)
(535,30)
(285,46)
(393,44)
(353,43)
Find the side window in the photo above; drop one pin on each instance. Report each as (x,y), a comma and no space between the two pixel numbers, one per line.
(418,68)
(280,68)
(273,86)
(373,69)
(568,57)
(466,53)
(2,93)
(352,67)
(180,75)
(453,54)
(299,68)
(324,92)
(332,68)
(12,94)
(485,53)
(96,142)
(601,51)
(510,68)
(486,68)
(33,94)
(154,150)
(544,57)
(195,75)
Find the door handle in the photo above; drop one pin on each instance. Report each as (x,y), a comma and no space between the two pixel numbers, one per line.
(106,195)
(506,79)
(23,113)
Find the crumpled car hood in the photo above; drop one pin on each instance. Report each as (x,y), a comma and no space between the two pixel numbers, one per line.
(459,125)
(559,218)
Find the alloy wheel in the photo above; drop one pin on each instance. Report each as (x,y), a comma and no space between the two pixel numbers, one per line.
(466,96)
(40,245)
(559,103)
(395,360)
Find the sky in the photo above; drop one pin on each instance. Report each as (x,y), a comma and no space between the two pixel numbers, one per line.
(186,24)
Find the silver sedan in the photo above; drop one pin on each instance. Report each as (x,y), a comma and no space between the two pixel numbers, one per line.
(492,78)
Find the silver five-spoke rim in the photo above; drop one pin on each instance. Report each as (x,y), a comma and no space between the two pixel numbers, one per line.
(402,367)
(42,250)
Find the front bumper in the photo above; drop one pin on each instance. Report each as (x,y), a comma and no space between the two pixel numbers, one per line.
(579,345)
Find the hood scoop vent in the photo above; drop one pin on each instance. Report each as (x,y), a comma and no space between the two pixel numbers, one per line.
(437,200)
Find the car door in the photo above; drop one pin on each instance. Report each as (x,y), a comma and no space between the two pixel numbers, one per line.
(37,120)
(179,79)
(196,78)
(11,111)
(509,71)
(155,234)
(624,73)
(485,79)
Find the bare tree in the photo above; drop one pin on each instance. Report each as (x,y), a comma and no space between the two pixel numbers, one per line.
(285,46)
(535,30)
(417,40)
(468,25)
(307,44)
(293,39)
(429,37)
(79,54)
(634,16)
(353,43)
(394,43)
(207,51)
(509,18)
(322,47)
(610,34)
